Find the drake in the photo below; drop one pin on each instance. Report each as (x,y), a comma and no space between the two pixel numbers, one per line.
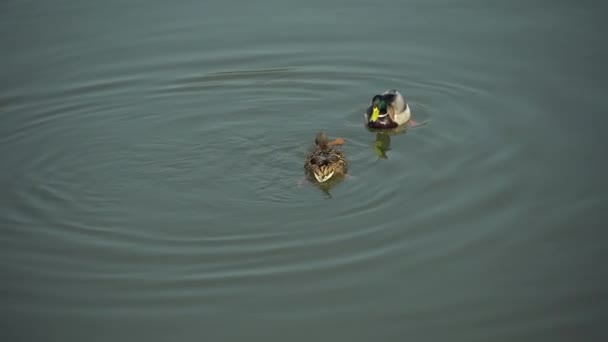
(387,111)
(325,162)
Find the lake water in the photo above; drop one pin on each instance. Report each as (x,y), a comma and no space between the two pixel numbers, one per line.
(151,154)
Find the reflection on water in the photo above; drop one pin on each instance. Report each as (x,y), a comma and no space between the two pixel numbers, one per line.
(327,186)
(382,144)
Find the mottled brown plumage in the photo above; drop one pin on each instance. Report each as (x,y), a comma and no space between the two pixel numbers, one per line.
(325,162)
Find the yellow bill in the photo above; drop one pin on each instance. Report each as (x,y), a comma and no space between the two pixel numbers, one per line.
(375,115)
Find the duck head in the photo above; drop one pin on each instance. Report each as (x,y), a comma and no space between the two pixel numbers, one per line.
(378,108)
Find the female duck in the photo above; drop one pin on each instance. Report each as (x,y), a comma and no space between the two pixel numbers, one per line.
(387,111)
(325,162)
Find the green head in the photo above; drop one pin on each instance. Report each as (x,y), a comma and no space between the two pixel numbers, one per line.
(378,107)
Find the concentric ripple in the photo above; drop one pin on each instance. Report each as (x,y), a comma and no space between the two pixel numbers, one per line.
(153,168)
(208,167)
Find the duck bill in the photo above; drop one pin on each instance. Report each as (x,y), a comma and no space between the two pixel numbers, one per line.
(375,115)
(321,178)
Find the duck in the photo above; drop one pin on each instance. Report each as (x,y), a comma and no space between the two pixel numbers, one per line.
(387,111)
(325,162)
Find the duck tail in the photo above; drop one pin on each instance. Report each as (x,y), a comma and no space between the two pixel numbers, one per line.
(335,142)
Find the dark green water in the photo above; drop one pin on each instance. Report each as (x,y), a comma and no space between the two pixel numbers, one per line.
(151,151)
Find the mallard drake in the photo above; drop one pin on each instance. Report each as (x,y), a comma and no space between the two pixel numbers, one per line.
(325,162)
(387,111)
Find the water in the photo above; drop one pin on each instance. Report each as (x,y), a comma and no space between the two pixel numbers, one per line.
(151,153)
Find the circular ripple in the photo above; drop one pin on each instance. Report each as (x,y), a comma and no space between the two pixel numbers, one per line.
(187,181)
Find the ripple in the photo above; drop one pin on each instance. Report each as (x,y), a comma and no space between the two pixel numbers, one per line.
(174,182)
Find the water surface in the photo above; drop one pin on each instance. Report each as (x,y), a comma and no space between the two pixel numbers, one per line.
(151,154)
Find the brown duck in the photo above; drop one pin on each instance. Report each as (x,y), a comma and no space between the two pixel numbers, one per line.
(325,162)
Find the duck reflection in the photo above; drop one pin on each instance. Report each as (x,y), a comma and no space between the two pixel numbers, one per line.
(326,187)
(382,144)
